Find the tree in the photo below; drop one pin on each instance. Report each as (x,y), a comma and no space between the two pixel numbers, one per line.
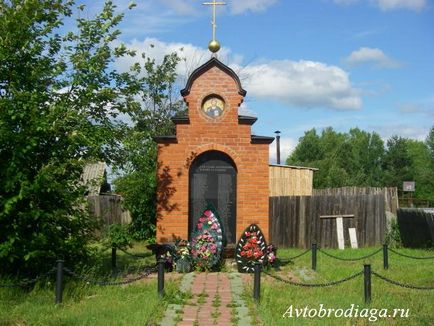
(397,163)
(423,169)
(430,142)
(343,159)
(308,150)
(138,169)
(59,100)
(365,158)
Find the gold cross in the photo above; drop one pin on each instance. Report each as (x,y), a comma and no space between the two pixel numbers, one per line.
(213,23)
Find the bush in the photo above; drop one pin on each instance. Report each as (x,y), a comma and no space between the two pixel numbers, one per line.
(393,236)
(117,236)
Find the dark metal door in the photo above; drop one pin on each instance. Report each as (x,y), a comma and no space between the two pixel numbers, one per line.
(213,180)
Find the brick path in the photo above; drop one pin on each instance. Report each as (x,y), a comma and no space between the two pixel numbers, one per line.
(216,300)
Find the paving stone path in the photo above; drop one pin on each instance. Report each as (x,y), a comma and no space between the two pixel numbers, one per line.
(216,300)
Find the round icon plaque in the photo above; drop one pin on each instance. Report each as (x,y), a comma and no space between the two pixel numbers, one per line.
(213,107)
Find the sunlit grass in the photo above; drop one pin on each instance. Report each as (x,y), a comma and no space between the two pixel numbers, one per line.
(277,297)
(83,304)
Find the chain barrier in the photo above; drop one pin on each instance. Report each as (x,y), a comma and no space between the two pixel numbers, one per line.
(287,260)
(408,286)
(350,259)
(133,255)
(106,283)
(24,284)
(313,284)
(408,256)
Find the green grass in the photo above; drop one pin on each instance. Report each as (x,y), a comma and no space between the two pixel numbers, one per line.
(277,297)
(139,304)
(134,304)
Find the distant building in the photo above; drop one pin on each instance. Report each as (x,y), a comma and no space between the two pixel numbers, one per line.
(95,178)
(102,204)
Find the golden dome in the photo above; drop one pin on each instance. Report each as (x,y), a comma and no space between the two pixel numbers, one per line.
(214,46)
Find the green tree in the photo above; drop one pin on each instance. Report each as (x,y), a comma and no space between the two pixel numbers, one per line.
(423,169)
(398,163)
(138,169)
(308,150)
(430,142)
(343,159)
(59,99)
(365,158)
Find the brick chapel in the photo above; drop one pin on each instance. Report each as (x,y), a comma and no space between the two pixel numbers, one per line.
(213,159)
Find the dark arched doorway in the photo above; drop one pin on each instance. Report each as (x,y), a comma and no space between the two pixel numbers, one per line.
(213,180)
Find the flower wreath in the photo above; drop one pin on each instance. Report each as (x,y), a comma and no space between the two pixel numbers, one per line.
(251,248)
(206,244)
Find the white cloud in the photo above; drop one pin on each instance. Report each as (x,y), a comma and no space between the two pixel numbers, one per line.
(371,56)
(295,83)
(422,107)
(402,130)
(386,5)
(191,55)
(287,145)
(301,84)
(241,6)
(415,5)
(245,110)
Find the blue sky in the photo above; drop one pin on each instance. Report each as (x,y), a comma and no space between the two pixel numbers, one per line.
(305,63)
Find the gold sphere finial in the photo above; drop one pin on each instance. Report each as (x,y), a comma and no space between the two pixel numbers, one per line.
(214,46)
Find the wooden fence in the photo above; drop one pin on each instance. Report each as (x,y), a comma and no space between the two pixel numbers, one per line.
(109,209)
(416,227)
(390,194)
(295,220)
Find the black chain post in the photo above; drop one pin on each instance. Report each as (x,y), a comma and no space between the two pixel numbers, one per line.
(385,256)
(113,257)
(59,281)
(314,249)
(161,277)
(367,282)
(257,282)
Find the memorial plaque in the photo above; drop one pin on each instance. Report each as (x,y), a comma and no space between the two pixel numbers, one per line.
(213,181)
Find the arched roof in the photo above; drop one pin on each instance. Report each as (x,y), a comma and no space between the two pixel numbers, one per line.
(213,62)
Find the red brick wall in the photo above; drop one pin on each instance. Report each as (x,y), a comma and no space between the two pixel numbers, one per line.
(202,134)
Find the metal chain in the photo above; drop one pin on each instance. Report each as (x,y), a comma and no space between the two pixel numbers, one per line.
(317,284)
(103,283)
(407,256)
(24,284)
(350,259)
(133,255)
(408,286)
(287,260)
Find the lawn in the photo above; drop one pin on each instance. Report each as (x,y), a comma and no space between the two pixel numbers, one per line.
(83,304)
(139,304)
(278,297)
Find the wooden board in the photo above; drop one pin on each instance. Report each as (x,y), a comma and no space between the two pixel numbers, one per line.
(340,232)
(353,238)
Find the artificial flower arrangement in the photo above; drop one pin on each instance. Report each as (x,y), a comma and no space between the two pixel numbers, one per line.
(183,261)
(166,252)
(206,244)
(252,248)
(271,254)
